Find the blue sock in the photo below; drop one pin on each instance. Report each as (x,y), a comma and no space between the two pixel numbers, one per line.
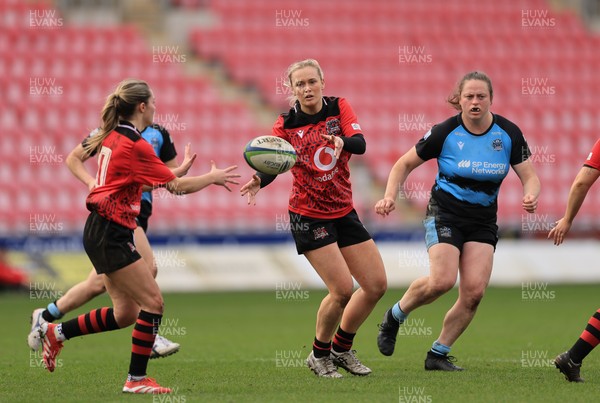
(398,314)
(54,311)
(439,348)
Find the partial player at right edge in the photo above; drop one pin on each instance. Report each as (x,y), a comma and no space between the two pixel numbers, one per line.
(569,362)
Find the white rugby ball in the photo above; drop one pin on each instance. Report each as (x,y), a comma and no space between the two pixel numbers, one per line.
(270,155)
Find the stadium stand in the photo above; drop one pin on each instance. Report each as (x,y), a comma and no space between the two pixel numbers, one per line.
(396,61)
(55,81)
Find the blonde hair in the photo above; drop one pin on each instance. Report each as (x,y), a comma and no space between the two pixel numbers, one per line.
(454,98)
(297,66)
(120,104)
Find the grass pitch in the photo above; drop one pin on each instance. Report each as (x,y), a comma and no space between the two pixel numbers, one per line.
(251,347)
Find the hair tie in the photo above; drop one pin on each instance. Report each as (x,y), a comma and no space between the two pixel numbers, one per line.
(116,99)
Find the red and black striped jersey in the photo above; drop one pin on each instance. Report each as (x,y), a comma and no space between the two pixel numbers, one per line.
(321,184)
(125,163)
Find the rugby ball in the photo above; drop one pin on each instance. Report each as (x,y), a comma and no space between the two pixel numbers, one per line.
(270,155)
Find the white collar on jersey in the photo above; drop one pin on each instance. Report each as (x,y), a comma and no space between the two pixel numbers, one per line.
(128,125)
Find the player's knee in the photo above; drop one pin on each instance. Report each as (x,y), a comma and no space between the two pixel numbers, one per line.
(96,286)
(126,317)
(376,289)
(441,286)
(155,304)
(473,298)
(341,296)
(154,268)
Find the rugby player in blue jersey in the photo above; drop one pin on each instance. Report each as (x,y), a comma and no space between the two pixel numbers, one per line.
(474,151)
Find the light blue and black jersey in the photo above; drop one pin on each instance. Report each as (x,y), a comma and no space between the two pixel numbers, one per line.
(471,167)
(161,141)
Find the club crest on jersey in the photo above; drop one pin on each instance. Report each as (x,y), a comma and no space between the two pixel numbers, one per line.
(320,233)
(333,127)
(497,145)
(445,232)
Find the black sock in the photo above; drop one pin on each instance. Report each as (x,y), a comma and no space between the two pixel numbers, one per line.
(48,316)
(142,338)
(589,339)
(96,321)
(342,341)
(321,349)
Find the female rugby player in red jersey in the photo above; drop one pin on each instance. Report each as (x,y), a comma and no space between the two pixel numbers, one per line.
(125,164)
(93,285)
(325,133)
(569,362)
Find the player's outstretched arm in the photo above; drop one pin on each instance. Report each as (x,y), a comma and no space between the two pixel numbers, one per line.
(188,161)
(398,175)
(584,180)
(216,176)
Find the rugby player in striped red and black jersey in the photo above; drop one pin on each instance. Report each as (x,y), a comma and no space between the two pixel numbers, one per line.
(84,291)
(325,132)
(569,362)
(126,163)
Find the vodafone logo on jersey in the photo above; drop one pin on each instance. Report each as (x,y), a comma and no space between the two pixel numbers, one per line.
(324,159)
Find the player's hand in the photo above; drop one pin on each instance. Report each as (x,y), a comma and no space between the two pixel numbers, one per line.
(223,176)
(385,206)
(188,160)
(251,189)
(530,203)
(337,142)
(561,228)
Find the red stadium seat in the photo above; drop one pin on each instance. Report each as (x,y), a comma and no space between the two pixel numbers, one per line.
(366,54)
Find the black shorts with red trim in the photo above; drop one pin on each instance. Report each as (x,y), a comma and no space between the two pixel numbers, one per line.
(314,233)
(109,245)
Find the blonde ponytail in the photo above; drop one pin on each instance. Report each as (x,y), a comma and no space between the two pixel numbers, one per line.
(120,104)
